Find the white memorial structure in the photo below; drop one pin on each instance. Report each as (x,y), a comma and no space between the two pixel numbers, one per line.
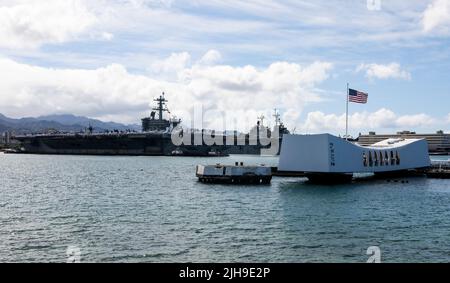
(326,155)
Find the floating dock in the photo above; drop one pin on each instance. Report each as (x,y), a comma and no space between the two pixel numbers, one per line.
(237,174)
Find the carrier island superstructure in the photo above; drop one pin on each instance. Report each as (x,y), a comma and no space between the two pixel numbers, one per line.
(155,139)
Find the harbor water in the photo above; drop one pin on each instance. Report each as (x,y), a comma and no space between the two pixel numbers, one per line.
(153,209)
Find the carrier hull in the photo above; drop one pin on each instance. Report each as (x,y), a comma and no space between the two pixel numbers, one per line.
(145,144)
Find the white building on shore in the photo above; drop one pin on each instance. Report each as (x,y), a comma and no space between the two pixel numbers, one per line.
(5,138)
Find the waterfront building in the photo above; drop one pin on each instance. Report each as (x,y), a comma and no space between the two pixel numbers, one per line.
(5,138)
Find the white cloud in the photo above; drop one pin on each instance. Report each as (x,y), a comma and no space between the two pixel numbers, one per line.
(448,118)
(29,24)
(163,23)
(113,93)
(418,120)
(107,36)
(150,3)
(389,71)
(240,28)
(436,15)
(171,67)
(210,58)
(317,122)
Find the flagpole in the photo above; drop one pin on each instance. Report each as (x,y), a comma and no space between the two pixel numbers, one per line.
(346,114)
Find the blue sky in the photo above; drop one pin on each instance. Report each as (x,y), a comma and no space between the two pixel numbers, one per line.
(108,59)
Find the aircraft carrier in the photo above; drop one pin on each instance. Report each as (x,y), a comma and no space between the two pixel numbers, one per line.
(154,140)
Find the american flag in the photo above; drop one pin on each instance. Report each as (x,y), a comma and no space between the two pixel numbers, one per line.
(357,96)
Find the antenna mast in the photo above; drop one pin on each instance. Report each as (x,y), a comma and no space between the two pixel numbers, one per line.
(277,117)
(161,106)
(261,118)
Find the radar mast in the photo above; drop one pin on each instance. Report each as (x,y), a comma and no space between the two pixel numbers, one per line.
(162,106)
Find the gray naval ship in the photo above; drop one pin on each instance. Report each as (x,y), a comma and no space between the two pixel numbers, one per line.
(154,140)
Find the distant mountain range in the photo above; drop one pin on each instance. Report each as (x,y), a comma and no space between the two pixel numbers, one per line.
(62,123)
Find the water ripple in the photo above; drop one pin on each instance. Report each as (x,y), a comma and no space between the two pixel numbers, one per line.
(152,209)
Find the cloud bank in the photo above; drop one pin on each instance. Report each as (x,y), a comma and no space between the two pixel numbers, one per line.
(113,93)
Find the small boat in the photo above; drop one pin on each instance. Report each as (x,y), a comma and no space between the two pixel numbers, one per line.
(177,152)
(11,150)
(215,153)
